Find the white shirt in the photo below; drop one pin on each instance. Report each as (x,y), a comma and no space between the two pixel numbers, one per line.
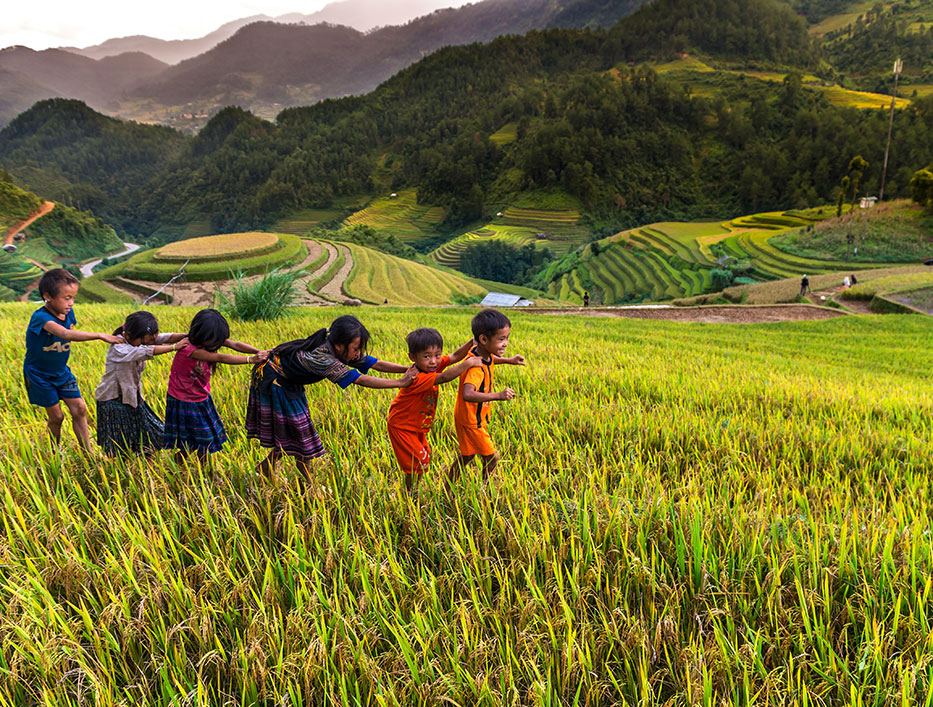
(123,371)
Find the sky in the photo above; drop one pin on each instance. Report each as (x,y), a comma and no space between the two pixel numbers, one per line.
(66,23)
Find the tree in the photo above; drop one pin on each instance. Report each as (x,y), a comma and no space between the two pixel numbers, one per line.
(921,186)
(857,165)
(842,195)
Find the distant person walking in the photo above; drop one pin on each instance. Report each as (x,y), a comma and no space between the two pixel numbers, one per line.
(586,299)
(854,281)
(804,285)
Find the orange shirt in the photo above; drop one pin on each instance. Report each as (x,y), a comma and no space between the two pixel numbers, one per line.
(414,406)
(474,415)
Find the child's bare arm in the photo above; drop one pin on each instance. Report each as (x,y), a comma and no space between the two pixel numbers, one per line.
(462,351)
(240,346)
(229,359)
(516,360)
(160,349)
(174,338)
(452,372)
(389,367)
(77,335)
(377,382)
(472,396)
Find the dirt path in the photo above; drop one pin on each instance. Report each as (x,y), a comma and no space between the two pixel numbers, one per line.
(19,226)
(334,288)
(35,283)
(713,314)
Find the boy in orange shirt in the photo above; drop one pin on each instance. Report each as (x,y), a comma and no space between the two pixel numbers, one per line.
(411,414)
(491,332)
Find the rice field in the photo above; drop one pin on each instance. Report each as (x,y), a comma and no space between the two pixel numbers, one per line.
(400,216)
(558,230)
(377,277)
(227,245)
(674,260)
(746,524)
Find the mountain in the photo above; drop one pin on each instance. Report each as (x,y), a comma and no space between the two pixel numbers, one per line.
(167,51)
(365,15)
(27,76)
(267,64)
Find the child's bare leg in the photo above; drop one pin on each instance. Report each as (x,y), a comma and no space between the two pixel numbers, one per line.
(489,465)
(411,483)
(304,465)
(78,411)
(181,456)
(267,465)
(56,418)
(204,458)
(453,473)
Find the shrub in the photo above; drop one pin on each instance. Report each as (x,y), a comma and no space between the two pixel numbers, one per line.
(721,278)
(267,298)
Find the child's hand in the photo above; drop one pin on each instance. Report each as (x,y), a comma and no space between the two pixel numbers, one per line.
(261,356)
(409,377)
(507,394)
(111,339)
(474,361)
(516,360)
(180,344)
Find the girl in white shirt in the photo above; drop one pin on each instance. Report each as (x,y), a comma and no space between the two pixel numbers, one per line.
(125,422)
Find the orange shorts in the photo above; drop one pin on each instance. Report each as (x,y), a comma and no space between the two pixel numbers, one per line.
(474,441)
(411,449)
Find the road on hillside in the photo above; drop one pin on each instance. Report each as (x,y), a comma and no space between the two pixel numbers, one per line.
(22,225)
(88,268)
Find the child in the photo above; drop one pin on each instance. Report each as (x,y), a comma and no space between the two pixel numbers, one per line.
(277,413)
(412,412)
(471,413)
(48,345)
(191,420)
(125,422)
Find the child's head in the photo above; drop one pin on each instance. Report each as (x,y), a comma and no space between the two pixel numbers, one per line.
(209,330)
(491,331)
(425,349)
(140,328)
(348,338)
(58,288)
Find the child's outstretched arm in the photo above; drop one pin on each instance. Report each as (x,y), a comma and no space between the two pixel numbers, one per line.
(453,372)
(516,360)
(229,359)
(376,382)
(471,395)
(77,335)
(160,349)
(388,367)
(240,346)
(462,352)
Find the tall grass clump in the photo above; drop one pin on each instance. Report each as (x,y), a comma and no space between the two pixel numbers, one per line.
(266,298)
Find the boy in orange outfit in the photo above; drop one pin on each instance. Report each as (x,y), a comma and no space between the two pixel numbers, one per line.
(491,332)
(411,414)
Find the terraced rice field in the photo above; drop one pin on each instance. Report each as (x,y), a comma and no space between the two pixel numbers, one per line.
(400,216)
(683,515)
(227,245)
(298,224)
(378,276)
(674,260)
(557,230)
(508,133)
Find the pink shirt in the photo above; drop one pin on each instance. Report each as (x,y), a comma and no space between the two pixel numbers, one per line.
(190,379)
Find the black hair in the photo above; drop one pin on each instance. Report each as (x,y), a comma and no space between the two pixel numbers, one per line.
(53,281)
(488,322)
(343,330)
(208,330)
(423,339)
(137,326)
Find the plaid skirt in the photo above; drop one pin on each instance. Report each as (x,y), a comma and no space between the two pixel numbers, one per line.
(122,429)
(282,424)
(193,427)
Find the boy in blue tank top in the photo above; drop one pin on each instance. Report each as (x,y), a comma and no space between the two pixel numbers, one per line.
(48,345)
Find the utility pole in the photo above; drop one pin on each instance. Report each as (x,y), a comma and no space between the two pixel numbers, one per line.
(898,65)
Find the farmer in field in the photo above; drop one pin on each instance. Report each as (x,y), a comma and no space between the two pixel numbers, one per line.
(804,285)
(491,331)
(48,346)
(411,414)
(277,413)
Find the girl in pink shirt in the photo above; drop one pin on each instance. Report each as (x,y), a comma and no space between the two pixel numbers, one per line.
(191,420)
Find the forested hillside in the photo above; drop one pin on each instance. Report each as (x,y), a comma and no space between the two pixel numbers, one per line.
(630,145)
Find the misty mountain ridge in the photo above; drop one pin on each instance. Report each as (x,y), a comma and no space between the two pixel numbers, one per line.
(266,66)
